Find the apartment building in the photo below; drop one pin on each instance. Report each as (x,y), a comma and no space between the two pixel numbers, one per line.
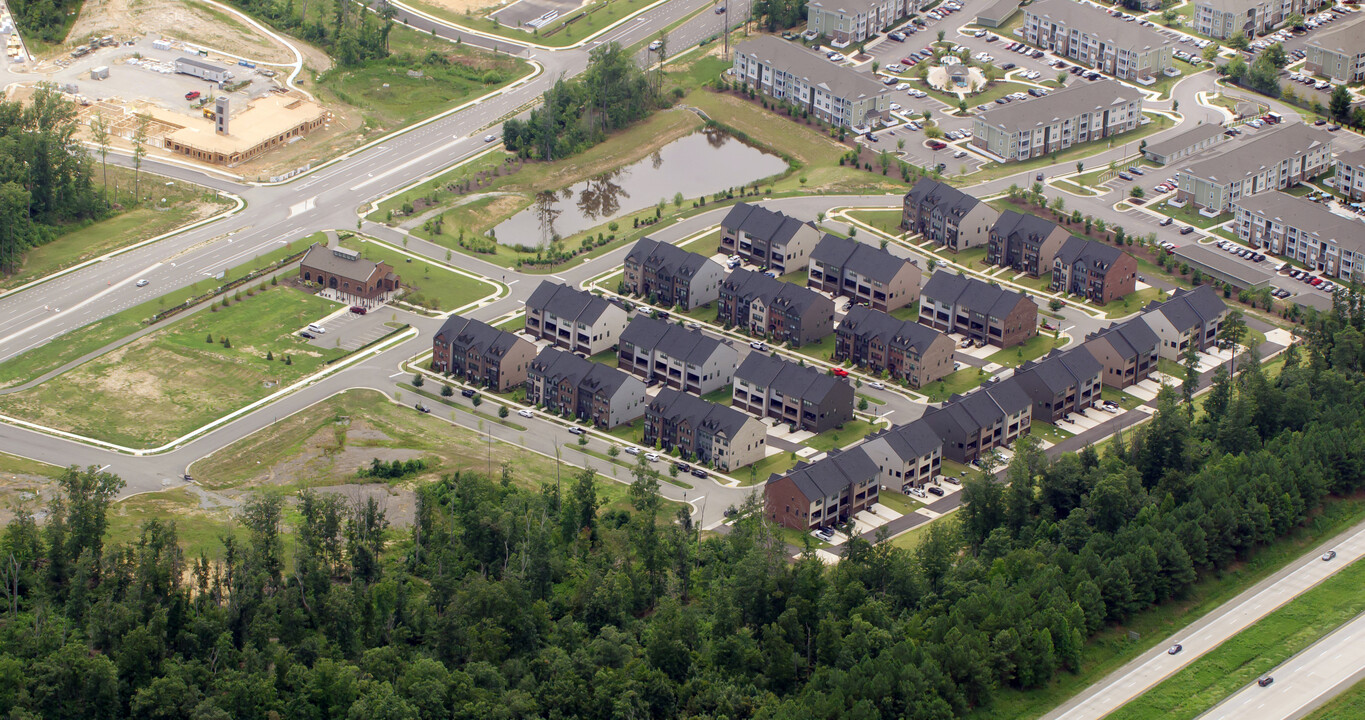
(671,275)
(905,349)
(767,239)
(1077,114)
(562,383)
(1350,175)
(949,217)
(863,273)
(1303,231)
(575,320)
(682,359)
(907,456)
(1191,318)
(1096,271)
(481,353)
(994,416)
(1061,383)
(803,397)
(845,22)
(1026,243)
(1090,36)
(984,313)
(1127,351)
(1195,140)
(1338,53)
(1273,161)
(712,434)
(769,308)
(833,93)
(822,494)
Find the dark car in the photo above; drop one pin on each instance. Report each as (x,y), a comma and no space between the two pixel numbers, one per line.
(698,472)
(467,393)
(720,10)
(1008,66)
(1176,648)
(682,466)
(1039,177)
(1166,222)
(1265,681)
(422,408)
(934,490)
(1186,230)
(1326,557)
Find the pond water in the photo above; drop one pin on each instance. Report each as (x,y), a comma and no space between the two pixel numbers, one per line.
(700,164)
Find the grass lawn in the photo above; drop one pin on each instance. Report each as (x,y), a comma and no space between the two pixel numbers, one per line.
(1068,157)
(1110,649)
(1133,302)
(707,313)
(887,221)
(172,381)
(1124,400)
(50,356)
(798,539)
(1072,187)
(433,286)
(822,350)
(870,399)
(1254,651)
(1048,431)
(633,431)
(909,312)
(999,89)
(722,396)
(911,539)
(758,472)
(16,465)
(1164,84)
(898,502)
(199,529)
(974,258)
(795,277)
(954,383)
(1190,215)
(554,34)
(512,324)
(1031,349)
(1041,284)
(606,357)
(183,203)
(852,431)
(1350,704)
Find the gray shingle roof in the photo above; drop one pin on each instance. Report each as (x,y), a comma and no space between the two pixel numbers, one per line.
(678,262)
(1066,103)
(1022,225)
(864,259)
(1057,372)
(1312,219)
(1098,23)
(1090,252)
(466,332)
(1253,156)
(972,294)
(566,302)
(1347,38)
(788,378)
(674,340)
(998,11)
(832,475)
(1129,338)
(1244,273)
(943,196)
(865,322)
(748,284)
(1187,308)
(762,223)
(1187,139)
(321,257)
(811,67)
(677,405)
(582,373)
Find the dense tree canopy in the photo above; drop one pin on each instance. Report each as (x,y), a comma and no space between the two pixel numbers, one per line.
(500,602)
(348,33)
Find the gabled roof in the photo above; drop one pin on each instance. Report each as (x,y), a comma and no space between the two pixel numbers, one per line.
(1104,27)
(321,257)
(1188,308)
(812,68)
(678,406)
(1058,371)
(762,223)
(666,256)
(1308,217)
(747,284)
(1060,105)
(1354,158)
(566,302)
(1253,156)
(1088,252)
(466,332)
(865,322)
(690,346)
(787,378)
(1187,139)
(972,294)
(1022,226)
(832,475)
(1346,38)
(912,440)
(942,196)
(1129,338)
(864,259)
(584,374)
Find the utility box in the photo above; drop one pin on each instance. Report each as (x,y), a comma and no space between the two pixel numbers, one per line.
(99,73)
(220,113)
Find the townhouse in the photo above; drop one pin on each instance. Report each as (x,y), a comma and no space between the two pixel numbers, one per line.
(1274,161)
(564,383)
(767,239)
(984,313)
(788,72)
(1093,37)
(671,275)
(1350,175)
(1338,53)
(1061,383)
(822,494)
(1191,318)
(575,320)
(1127,352)
(804,397)
(767,307)
(1303,231)
(994,416)
(905,349)
(845,22)
(907,456)
(1077,114)
(1026,243)
(1093,270)
(863,273)
(682,359)
(712,434)
(481,353)
(949,217)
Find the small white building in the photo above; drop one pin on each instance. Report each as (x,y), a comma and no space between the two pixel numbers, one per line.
(202,69)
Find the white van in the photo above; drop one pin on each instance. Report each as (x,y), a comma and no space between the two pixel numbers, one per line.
(316,328)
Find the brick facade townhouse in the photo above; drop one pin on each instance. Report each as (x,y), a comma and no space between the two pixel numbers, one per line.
(481,353)
(863,273)
(845,22)
(1061,383)
(592,392)
(1127,351)
(671,275)
(949,217)
(1093,270)
(768,386)
(1026,243)
(1303,231)
(767,307)
(1350,175)
(1093,37)
(905,349)
(1074,115)
(907,456)
(573,319)
(720,436)
(1191,318)
(1274,161)
(1338,53)
(823,494)
(994,416)
(833,93)
(1222,19)
(682,359)
(765,238)
(978,310)
(342,270)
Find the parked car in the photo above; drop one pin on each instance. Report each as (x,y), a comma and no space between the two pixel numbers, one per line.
(577,431)
(698,472)
(468,392)
(1186,230)
(652,457)
(422,408)
(1166,221)
(758,345)
(934,490)
(306,335)
(192,95)
(525,413)
(876,386)
(839,372)
(358,310)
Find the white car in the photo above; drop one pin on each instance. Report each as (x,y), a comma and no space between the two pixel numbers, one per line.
(652,457)
(489,138)
(525,413)
(903,86)
(655,45)
(142,283)
(632,450)
(876,386)
(895,106)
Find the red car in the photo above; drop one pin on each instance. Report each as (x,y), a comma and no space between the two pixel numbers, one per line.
(358,310)
(937,144)
(840,372)
(192,95)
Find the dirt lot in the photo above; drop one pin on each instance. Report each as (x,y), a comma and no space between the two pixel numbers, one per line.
(477,8)
(184,20)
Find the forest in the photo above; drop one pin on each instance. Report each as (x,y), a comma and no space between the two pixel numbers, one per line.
(45,175)
(579,113)
(44,20)
(353,36)
(505,602)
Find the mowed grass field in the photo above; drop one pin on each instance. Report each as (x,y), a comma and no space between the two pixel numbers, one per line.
(433,286)
(169,382)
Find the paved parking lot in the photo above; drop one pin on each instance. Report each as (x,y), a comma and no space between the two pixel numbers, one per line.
(350,331)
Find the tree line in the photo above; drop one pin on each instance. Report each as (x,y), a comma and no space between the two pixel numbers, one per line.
(44,20)
(353,36)
(507,602)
